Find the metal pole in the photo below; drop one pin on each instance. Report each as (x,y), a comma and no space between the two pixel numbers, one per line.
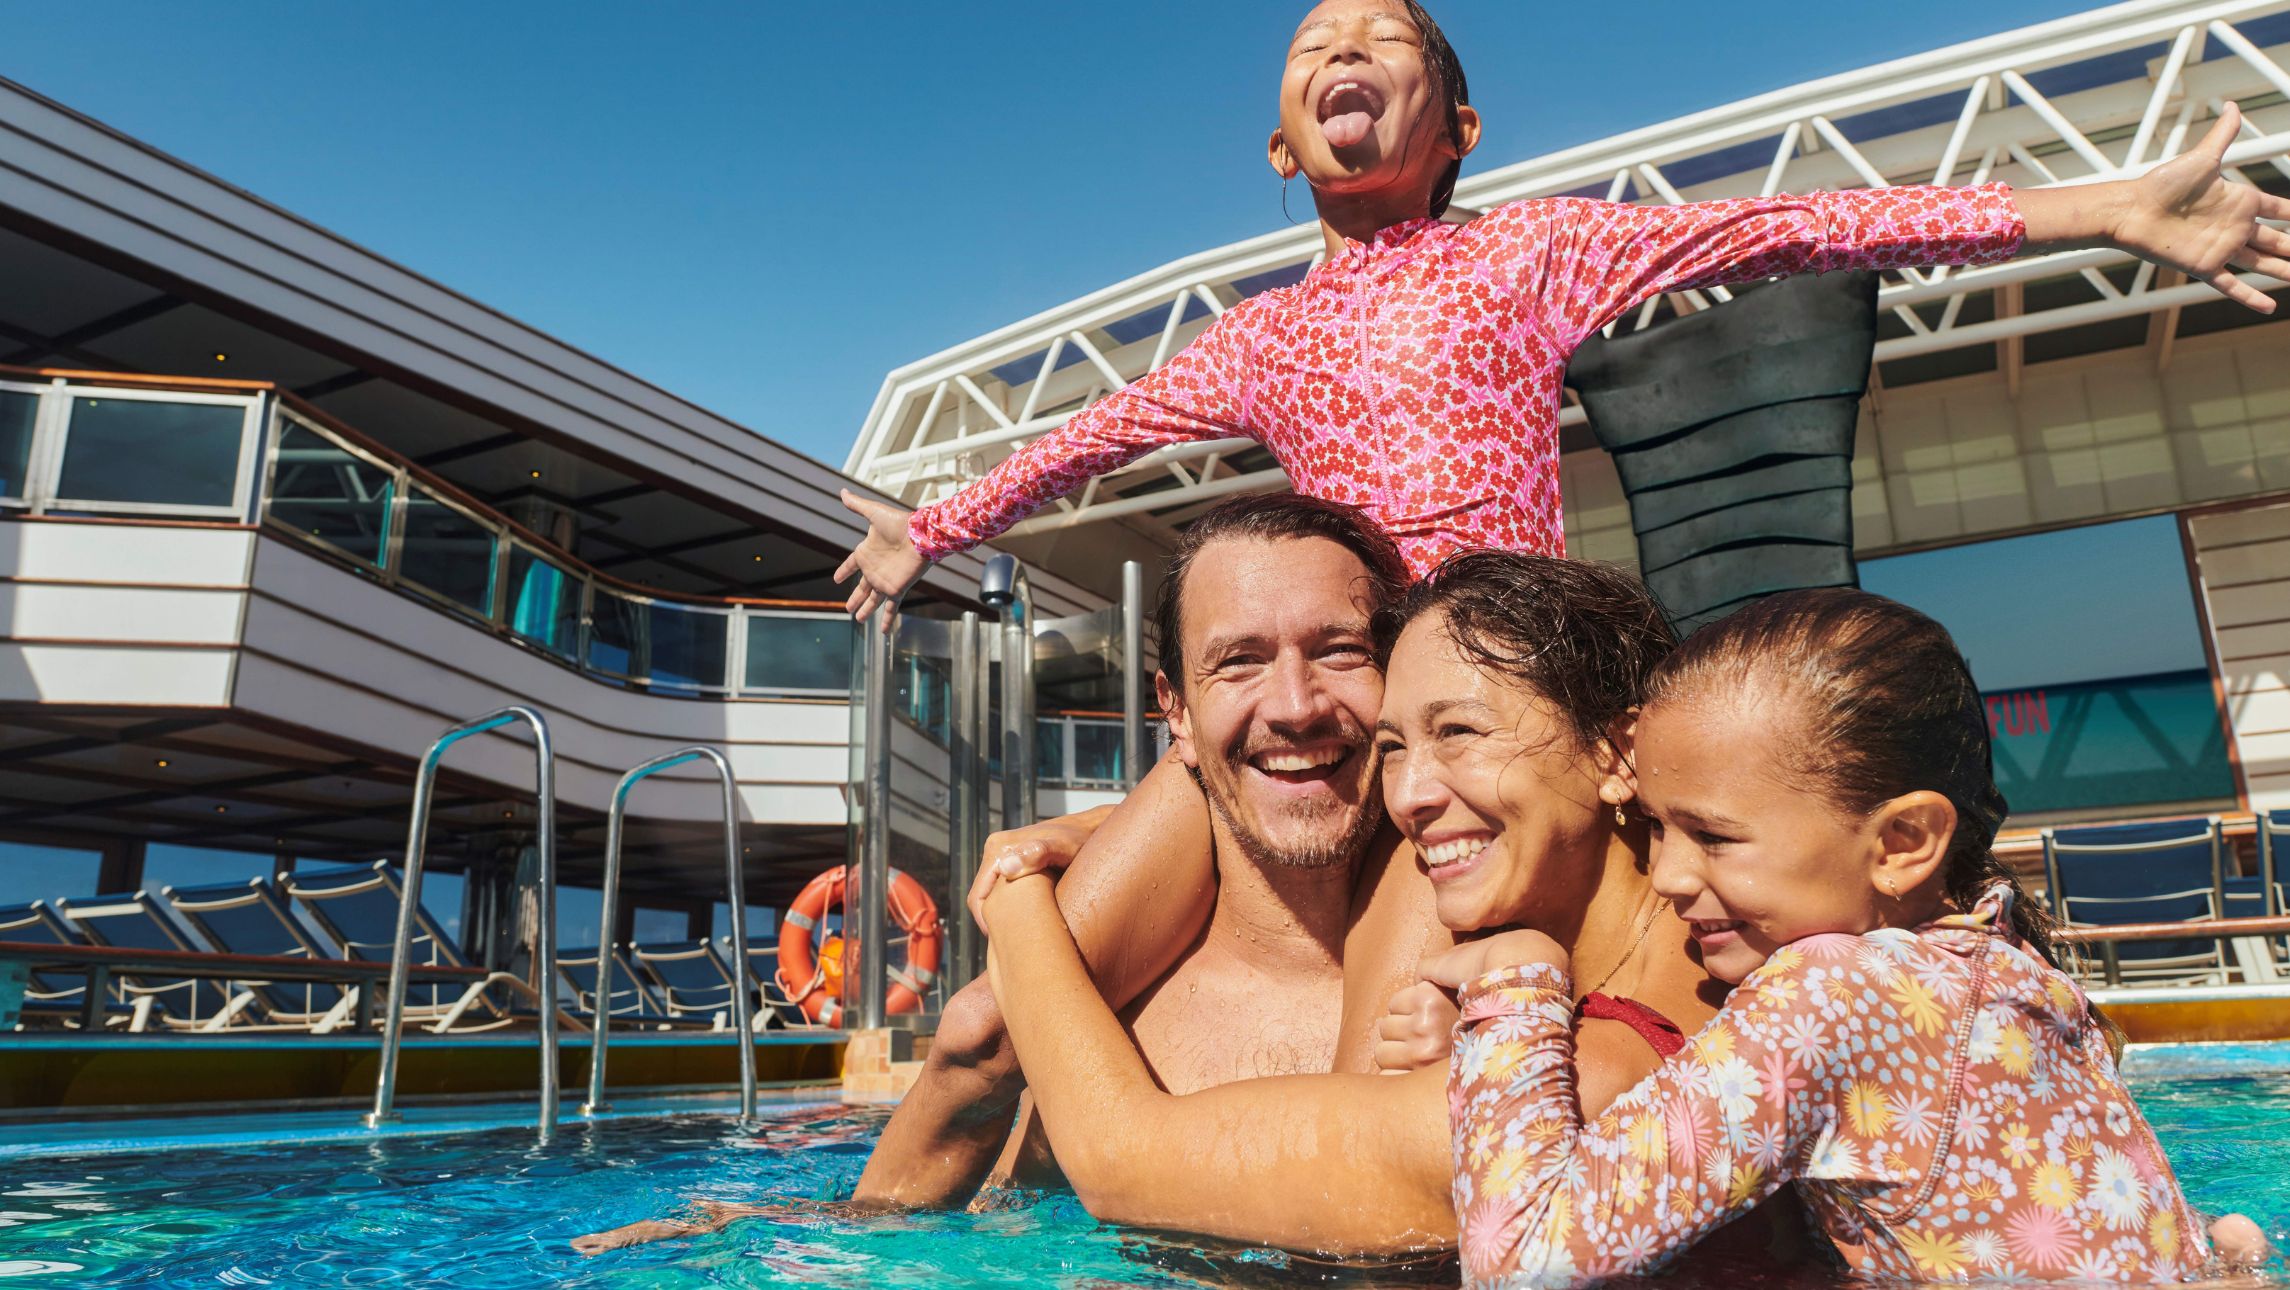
(966,808)
(866,919)
(743,998)
(1134,762)
(1018,803)
(981,773)
(545,946)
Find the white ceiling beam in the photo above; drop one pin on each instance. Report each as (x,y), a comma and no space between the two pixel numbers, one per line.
(2060,125)
(2165,82)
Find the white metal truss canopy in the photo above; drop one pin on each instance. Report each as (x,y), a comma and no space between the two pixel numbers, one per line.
(2102,95)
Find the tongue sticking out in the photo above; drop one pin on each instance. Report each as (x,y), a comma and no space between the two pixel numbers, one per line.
(1347,129)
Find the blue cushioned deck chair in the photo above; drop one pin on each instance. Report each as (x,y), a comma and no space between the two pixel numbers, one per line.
(633,999)
(694,981)
(357,905)
(2248,897)
(2273,837)
(2163,871)
(250,918)
(52,996)
(135,920)
(763,971)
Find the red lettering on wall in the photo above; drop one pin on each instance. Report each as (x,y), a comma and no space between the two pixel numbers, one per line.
(2018,713)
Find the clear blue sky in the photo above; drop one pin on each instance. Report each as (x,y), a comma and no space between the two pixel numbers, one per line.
(764,207)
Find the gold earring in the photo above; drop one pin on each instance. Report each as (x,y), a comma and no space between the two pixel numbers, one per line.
(1620,820)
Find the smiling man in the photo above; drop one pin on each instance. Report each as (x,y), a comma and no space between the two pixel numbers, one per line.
(1269,680)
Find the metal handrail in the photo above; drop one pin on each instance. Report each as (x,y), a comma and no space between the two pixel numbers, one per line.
(743,998)
(409,905)
(2193,929)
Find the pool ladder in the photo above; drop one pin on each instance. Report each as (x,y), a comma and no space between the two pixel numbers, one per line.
(545,936)
(743,997)
(409,905)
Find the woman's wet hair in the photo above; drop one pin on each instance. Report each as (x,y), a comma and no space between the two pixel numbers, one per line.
(1885,705)
(1584,637)
(1447,81)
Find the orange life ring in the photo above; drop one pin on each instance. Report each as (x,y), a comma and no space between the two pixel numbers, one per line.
(804,977)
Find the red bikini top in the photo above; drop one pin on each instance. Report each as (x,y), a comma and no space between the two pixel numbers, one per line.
(1660,1033)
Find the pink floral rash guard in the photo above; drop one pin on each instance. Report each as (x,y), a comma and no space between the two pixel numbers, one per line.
(1418,375)
(1941,1097)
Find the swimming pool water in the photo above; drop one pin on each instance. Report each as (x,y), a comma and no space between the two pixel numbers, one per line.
(494,1209)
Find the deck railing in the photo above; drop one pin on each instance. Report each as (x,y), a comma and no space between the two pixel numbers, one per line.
(88,443)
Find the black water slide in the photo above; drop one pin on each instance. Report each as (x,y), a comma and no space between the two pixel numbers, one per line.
(1733,432)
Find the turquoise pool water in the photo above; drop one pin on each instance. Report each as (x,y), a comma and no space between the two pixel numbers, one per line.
(492,1209)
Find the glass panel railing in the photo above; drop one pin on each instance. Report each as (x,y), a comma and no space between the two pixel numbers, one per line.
(1096,753)
(152,453)
(690,646)
(323,490)
(799,653)
(544,602)
(19,412)
(616,637)
(925,693)
(1049,750)
(667,646)
(1078,752)
(447,552)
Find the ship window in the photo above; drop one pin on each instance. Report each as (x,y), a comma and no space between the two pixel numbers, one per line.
(18,412)
(806,654)
(2090,660)
(143,452)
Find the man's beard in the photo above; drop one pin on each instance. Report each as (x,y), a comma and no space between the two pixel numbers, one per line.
(1319,849)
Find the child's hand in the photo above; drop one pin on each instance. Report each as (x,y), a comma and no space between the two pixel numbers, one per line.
(2239,1244)
(885,559)
(1474,959)
(2186,215)
(1417,1030)
(1044,847)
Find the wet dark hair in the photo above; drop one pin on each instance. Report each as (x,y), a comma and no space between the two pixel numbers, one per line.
(1271,517)
(1583,636)
(1887,706)
(1448,81)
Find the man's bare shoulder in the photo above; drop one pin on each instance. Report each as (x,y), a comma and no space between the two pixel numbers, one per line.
(1394,924)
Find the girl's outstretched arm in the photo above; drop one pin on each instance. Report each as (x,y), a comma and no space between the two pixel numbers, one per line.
(1195,395)
(1584,263)
(2183,214)
(1136,896)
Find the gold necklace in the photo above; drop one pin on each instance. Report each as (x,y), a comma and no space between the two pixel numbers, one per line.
(1646,928)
